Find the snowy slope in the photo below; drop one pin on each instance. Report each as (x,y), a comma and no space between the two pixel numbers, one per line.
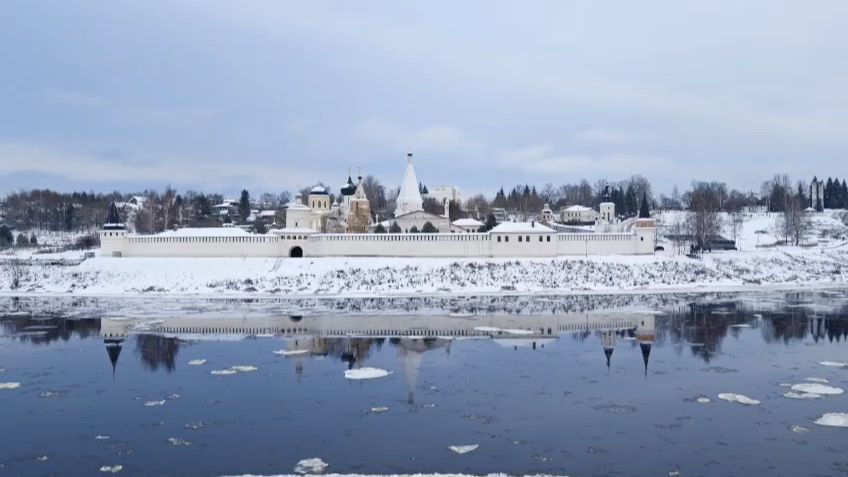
(368,276)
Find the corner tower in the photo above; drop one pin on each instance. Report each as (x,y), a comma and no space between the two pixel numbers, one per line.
(113,233)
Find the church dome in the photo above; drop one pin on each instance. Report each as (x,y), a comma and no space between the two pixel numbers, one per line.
(349,188)
(318,190)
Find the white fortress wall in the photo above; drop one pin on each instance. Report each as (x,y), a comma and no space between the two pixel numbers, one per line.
(399,245)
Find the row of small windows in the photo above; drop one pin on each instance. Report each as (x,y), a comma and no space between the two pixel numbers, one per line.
(596,237)
(213,329)
(203,239)
(526,238)
(404,238)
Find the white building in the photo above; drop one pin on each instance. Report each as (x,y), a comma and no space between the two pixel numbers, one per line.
(441,193)
(578,214)
(410,212)
(817,194)
(467,225)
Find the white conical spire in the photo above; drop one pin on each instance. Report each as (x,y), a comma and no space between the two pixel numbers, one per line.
(409,199)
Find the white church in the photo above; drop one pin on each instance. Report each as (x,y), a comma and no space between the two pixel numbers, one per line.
(308,227)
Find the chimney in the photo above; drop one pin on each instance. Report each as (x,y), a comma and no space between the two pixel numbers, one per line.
(533,223)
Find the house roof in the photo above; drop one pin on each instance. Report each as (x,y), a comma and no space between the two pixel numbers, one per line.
(423,212)
(268,213)
(294,230)
(113,218)
(469,222)
(294,205)
(522,227)
(577,208)
(318,190)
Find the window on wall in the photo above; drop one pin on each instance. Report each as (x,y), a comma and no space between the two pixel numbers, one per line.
(506,239)
(519,238)
(499,239)
(549,238)
(528,238)
(540,238)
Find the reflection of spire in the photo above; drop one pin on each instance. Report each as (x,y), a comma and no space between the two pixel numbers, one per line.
(646,353)
(113,349)
(411,364)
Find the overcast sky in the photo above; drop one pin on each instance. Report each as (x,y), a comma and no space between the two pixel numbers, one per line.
(272,95)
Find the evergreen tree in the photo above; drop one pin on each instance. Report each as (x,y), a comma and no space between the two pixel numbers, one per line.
(644,212)
(33,240)
(244,205)
(413,230)
(428,228)
(69,218)
(828,193)
(22,241)
(379,229)
(844,194)
(6,238)
(491,222)
(394,228)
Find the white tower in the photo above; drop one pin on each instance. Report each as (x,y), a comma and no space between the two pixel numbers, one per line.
(607,208)
(409,199)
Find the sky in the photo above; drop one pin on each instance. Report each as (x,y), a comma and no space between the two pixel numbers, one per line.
(275,95)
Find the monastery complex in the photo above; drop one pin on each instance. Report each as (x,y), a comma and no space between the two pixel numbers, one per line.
(352,213)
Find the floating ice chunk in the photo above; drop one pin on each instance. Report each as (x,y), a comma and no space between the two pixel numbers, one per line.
(366,373)
(833,419)
(834,364)
(816,389)
(311,466)
(517,331)
(741,325)
(113,469)
(703,400)
(42,458)
(264,335)
(155,403)
(379,409)
(222,372)
(487,329)
(464,449)
(197,362)
(173,396)
(10,385)
(785,385)
(799,429)
(818,380)
(792,395)
(101,438)
(244,369)
(741,399)
(178,442)
(285,352)
(461,315)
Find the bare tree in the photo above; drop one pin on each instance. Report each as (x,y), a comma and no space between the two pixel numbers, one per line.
(167,207)
(702,220)
(477,205)
(734,223)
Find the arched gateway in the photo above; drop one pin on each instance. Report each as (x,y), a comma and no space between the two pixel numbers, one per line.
(296,252)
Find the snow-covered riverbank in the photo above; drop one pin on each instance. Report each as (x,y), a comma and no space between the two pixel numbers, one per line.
(371,276)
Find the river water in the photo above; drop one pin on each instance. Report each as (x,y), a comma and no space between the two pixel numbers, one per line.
(538,387)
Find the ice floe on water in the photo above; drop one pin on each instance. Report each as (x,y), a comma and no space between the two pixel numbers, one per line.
(487,329)
(155,403)
(101,438)
(379,409)
(366,373)
(799,429)
(464,449)
(10,385)
(793,395)
(818,380)
(738,398)
(111,468)
(719,370)
(703,400)
(741,325)
(47,394)
(197,362)
(178,442)
(42,458)
(222,372)
(785,385)
(173,396)
(286,352)
(815,388)
(311,466)
(194,425)
(616,409)
(833,419)
(244,369)
(834,364)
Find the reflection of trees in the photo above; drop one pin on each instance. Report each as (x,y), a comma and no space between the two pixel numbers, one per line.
(157,351)
(49,330)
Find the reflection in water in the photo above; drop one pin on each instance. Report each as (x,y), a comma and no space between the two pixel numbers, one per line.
(157,351)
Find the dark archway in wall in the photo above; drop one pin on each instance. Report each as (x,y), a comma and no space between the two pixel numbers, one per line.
(296,252)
